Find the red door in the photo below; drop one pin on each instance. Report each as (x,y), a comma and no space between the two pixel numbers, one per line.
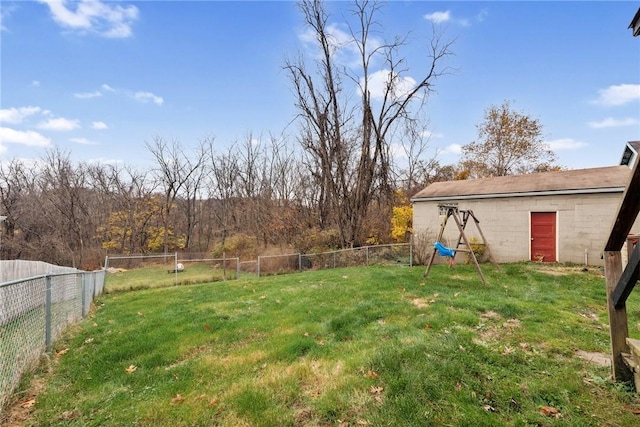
(543,236)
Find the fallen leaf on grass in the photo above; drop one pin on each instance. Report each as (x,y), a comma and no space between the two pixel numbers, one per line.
(458,386)
(489,408)
(550,411)
(376,390)
(61,352)
(28,404)
(634,411)
(363,423)
(140,314)
(214,401)
(69,415)
(178,399)
(207,327)
(263,297)
(88,341)
(131,369)
(508,350)
(427,326)
(371,374)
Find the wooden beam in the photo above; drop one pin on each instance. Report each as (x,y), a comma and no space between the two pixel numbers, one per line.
(627,280)
(471,254)
(618,328)
(627,213)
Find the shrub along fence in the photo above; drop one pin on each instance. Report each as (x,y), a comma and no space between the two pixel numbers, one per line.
(34,312)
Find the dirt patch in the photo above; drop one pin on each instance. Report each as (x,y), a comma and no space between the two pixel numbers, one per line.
(599,359)
(19,412)
(420,302)
(490,315)
(554,272)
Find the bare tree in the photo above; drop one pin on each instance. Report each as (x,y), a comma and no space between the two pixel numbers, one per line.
(191,191)
(223,195)
(173,169)
(349,144)
(17,183)
(508,143)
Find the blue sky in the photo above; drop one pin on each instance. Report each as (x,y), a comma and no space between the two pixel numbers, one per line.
(100,78)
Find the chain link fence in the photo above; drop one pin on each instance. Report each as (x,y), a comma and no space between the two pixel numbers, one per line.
(393,254)
(33,314)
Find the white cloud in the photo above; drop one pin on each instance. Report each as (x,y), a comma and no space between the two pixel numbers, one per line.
(442,17)
(83,141)
(108,88)
(565,144)
(35,83)
(103,161)
(30,138)
(99,125)
(610,122)
(342,45)
(87,95)
(380,82)
(618,95)
(480,17)
(5,13)
(59,124)
(453,149)
(438,17)
(17,115)
(145,97)
(430,134)
(106,19)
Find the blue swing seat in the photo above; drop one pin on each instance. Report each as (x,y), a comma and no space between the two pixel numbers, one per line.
(444,251)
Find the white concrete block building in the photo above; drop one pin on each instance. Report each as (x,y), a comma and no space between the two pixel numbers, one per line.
(563,216)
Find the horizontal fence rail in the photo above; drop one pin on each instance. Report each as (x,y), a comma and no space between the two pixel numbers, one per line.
(33,313)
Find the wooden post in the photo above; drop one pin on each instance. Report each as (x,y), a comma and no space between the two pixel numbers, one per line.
(618,328)
(471,254)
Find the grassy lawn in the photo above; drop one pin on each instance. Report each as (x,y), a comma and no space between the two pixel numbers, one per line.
(157,276)
(349,347)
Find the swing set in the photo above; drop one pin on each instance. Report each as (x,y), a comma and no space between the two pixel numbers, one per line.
(447,211)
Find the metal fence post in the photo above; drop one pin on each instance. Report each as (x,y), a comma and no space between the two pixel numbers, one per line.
(367,252)
(84,293)
(258,266)
(299,262)
(237,267)
(47,313)
(411,250)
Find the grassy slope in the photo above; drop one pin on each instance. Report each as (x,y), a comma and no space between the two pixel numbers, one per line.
(362,346)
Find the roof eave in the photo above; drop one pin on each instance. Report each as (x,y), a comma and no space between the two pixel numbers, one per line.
(520,194)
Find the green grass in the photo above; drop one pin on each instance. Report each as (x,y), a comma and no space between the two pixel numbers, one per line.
(157,276)
(362,346)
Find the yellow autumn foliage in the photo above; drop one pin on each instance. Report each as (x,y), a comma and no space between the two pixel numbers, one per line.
(401,222)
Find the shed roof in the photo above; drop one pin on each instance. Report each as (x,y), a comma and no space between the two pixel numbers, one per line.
(579,181)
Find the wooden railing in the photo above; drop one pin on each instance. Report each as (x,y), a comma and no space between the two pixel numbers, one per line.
(620,283)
